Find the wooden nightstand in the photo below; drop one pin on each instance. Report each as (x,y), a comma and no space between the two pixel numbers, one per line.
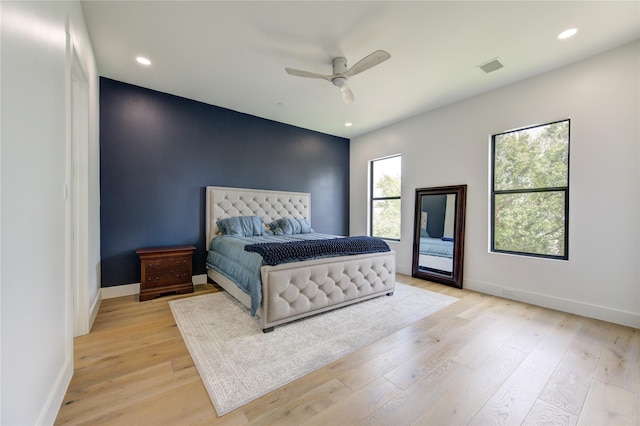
(164,270)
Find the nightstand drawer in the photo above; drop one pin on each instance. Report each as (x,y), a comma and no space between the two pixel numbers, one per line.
(167,278)
(167,264)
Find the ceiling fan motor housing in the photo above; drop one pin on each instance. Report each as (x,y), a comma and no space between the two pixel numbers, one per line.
(339,65)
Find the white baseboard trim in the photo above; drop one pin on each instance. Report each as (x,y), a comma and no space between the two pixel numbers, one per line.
(93,312)
(120,290)
(131,289)
(565,305)
(199,279)
(59,390)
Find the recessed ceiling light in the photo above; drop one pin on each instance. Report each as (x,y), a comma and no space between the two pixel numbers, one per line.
(347,124)
(143,60)
(567,33)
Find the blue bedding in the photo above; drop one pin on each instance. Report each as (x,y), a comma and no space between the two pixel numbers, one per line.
(436,247)
(277,253)
(228,257)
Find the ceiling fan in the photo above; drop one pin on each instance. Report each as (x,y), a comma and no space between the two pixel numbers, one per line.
(341,73)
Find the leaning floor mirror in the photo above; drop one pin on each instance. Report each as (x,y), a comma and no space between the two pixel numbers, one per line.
(438,242)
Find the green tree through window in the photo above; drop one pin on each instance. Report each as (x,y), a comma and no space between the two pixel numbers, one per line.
(385,198)
(530,191)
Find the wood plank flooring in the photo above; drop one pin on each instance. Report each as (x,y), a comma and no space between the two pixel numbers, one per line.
(481,361)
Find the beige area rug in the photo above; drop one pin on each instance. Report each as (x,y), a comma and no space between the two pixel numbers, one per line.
(239,363)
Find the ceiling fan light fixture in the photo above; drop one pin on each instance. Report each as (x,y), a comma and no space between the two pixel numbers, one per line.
(339,81)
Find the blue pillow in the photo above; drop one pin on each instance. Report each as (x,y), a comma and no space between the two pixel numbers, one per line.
(243,226)
(290,226)
(305,228)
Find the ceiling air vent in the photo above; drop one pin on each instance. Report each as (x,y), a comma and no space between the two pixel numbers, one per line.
(490,66)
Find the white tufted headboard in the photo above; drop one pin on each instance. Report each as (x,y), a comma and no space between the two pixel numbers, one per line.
(225,202)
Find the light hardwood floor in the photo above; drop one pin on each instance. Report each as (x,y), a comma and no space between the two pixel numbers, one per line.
(482,361)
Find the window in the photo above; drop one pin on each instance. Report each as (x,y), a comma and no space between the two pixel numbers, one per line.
(530,191)
(384,207)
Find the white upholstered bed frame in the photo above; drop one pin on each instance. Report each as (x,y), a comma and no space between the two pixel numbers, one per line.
(291,291)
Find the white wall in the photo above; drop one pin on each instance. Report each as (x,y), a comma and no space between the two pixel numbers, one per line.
(450,146)
(36,303)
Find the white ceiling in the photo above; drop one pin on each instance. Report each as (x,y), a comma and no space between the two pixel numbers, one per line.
(233,53)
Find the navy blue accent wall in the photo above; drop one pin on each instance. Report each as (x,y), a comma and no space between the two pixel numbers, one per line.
(436,207)
(158,152)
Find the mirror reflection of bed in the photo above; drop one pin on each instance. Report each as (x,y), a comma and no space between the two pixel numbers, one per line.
(438,244)
(436,233)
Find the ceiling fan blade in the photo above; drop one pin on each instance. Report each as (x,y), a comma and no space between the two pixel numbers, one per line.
(367,62)
(306,74)
(347,94)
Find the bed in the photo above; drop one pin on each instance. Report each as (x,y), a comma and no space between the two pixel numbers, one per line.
(295,290)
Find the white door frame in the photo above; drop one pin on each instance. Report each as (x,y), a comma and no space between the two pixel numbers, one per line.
(78,160)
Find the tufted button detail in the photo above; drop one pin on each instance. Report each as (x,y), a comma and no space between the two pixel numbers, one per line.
(269,206)
(304,290)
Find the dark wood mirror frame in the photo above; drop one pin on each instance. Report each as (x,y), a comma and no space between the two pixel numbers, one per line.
(453,278)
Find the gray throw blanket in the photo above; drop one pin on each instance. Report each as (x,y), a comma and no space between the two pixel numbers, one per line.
(276,253)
